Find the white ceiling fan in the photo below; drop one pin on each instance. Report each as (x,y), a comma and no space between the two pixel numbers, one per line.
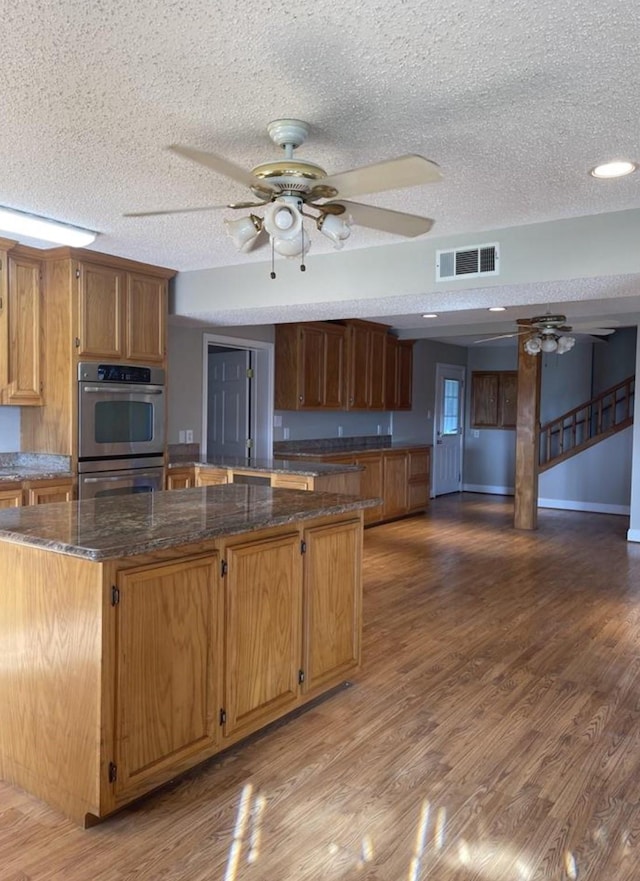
(550,333)
(287,188)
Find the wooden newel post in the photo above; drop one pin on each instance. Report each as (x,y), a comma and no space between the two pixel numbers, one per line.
(527,439)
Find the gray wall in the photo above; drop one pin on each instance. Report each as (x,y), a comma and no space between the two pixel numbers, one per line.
(614,359)
(9,429)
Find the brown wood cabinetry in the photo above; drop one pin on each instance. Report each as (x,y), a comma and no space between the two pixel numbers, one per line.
(349,365)
(10,496)
(371,484)
(418,465)
(39,492)
(93,307)
(175,654)
(395,482)
(20,327)
(310,362)
(166,685)
(494,398)
(181,478)
(398,374)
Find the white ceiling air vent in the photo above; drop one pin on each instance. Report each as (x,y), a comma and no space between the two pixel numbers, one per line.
(468,262)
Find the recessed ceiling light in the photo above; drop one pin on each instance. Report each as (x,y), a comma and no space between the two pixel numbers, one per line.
(613,169)
(497,308)
(430,315)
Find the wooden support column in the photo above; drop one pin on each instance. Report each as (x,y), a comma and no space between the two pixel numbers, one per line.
(527,439)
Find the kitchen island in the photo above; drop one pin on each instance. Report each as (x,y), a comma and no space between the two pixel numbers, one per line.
(140,635)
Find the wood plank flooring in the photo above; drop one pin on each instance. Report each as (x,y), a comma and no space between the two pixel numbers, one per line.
(493,734)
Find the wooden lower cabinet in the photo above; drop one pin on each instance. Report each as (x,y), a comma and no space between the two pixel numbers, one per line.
(395,484)
(181,478)
(39,492)
(166,691)
(371,484)
(11,497)
(262,642)
(175,655)
(211,476)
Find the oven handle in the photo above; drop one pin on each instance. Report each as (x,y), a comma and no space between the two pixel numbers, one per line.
(122,391)
(110,479)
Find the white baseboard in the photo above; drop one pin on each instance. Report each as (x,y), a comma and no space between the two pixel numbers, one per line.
(489,490)
(633,534)
(590,507)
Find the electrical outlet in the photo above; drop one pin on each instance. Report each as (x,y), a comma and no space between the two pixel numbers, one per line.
(475,432)
(339,431)
(277,420)
(285,433)
(188,436)
(379,429)
(182,437)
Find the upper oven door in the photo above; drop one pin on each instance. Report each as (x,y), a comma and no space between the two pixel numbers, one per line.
(120,419)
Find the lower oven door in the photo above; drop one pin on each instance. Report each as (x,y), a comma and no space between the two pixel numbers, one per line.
(122,482)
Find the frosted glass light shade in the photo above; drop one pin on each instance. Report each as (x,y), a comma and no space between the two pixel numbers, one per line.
(548,344)
(282,220)
(244,231)
(334,228)
(292,247)
(532,346)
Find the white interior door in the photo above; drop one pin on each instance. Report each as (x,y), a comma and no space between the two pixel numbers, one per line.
(448,429)
(228,403)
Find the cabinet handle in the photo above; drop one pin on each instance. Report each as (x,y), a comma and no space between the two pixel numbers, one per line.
(300,398)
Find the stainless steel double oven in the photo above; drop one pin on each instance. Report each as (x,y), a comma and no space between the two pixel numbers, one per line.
(121,419)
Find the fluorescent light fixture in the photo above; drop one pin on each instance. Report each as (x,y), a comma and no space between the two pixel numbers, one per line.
(613,169)
(21,223)
(430,315)
(497,308)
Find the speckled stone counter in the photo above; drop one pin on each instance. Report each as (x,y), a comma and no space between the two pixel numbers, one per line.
(274,466)
(102,529)
(18,467)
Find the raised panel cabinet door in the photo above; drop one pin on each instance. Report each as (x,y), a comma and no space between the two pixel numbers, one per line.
(11,498)
(335,368)
(371,484)
(377,376)
(211,476)
(404,400)
(484,399)
(332,603)
(4,322)
(391,366)
(396,502)
(359,341)
(509,399)
(146,318)
(167,635)
(101,305)
(312,367)
(24,386)
(180,478)
(41,493)
(263,613)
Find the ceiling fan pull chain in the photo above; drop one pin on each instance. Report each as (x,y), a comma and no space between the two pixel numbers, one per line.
(303,268)
(273,272)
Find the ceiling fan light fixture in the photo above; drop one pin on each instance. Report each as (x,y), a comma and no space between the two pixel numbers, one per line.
(533,345)
(565,344)
(335,228)
(283,220)
(609,170)
(299,246)
(244,231)
(548,343)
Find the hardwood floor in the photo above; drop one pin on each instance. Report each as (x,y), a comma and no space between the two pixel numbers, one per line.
(493,733)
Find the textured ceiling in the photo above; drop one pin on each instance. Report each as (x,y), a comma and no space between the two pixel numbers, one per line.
(515,101)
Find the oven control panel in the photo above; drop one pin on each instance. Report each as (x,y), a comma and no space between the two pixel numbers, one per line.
(126,373)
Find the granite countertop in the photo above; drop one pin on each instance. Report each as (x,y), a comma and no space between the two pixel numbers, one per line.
(334,449)
(17,467)
(110,528)
(274,466)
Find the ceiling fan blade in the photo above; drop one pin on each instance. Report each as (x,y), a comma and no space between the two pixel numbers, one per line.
(592,326)
(503,336)
(223,166)
(174,211)
(392,174)
(592,331)
(386,220)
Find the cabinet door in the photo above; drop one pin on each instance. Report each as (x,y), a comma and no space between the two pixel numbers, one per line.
(371,486)
(404,399)
(484,399)
(44,491)
(101,305)
(167,631)
(11,497)
(211,476)
(377,358)
(358,371)
(312,367)
(509,399)
(180,478)
(419,480)
(24,305)
(146,318)
(334,369)
(262,652)
(396,502)
(332,603)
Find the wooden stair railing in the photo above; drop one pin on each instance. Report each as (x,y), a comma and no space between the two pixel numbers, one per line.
(587,424)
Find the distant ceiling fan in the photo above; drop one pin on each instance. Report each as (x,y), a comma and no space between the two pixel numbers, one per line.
(288,187)
(550,333)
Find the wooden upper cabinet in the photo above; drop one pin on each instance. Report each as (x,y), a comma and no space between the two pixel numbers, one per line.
(494,398)
(398,374)
(22,323)
(121,315)
(102,291)
(145,318)
(310,366)
(366,365)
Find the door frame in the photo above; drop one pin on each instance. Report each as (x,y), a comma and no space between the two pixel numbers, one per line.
(440,369)
(261,417)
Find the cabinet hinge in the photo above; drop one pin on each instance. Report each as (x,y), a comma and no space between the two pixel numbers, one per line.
(113,772)
(300,676)
(115,596)
(303,547)
(249,372)
(223,568)
(223,717)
